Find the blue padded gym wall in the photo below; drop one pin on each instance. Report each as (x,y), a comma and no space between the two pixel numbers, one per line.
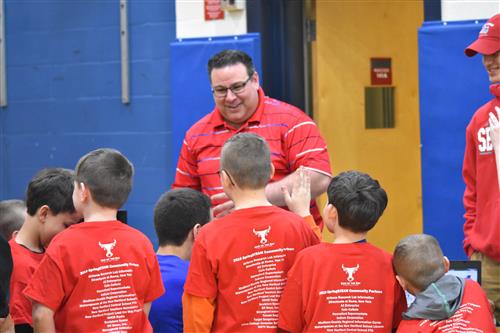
(190,86)
(64,93)
(452,87)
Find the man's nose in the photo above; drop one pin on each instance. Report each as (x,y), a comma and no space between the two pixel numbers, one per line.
(230,95)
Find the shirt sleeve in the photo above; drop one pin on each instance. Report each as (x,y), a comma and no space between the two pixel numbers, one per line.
(186,173)
(304,146)
(290,311)
(469,175)
(201,278)
(46,285)
(314,227)
(197,313)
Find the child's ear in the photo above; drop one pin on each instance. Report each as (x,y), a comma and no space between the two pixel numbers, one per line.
(446,263)
(272,172)
(332,212)
(83,192)
(196,230)
(42,213)
(402,282)
(225,180)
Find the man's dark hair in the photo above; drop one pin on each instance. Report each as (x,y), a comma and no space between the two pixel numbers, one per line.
(359,200)
(177,212)
(229,58)
(247,160)
(52,187)
(419,260)
(12,214)
(108,175)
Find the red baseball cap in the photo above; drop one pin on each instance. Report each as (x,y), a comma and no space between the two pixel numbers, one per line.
(488,41)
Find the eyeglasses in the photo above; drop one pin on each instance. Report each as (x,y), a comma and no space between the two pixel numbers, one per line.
(237,88)
(228,175)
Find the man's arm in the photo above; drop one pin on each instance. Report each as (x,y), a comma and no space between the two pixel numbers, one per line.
(319,184)
(43,319)
(299,200)
(274,191)
(495,138)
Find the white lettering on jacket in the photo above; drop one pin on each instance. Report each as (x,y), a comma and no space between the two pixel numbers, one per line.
(483,136)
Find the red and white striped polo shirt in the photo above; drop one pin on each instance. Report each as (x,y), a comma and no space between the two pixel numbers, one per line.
(293,138)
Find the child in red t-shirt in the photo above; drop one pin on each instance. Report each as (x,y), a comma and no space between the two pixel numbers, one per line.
(12,216)
(100,275)
(239,262)
(443,303)
(350,285)
(50,210)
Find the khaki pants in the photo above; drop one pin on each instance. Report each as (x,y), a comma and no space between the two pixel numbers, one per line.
(490,280)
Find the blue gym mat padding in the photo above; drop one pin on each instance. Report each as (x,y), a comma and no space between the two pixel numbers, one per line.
(452,87)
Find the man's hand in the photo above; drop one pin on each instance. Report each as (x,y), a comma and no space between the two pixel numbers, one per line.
(495,129)
(224,206)
(299,200)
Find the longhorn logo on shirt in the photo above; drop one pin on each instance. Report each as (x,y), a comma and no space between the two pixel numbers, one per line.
(262,234)
(108,247)
(350,272)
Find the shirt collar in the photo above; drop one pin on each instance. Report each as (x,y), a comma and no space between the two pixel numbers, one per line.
(217,120)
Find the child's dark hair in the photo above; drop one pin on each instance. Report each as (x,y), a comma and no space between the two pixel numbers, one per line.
(52,187)
(247,159)
(229,58)
(12,214)
(359,200)
(177,212)
(108,175)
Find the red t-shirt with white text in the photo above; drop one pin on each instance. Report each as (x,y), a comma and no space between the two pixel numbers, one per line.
(474,315)
(96,277)
(25,263)
(241,260)
(341,288)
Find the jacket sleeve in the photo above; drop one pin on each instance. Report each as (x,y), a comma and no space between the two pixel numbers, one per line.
(469,175)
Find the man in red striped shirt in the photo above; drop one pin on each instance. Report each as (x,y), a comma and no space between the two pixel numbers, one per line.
(241,106)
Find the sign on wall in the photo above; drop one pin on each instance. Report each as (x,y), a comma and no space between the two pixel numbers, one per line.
(213,10)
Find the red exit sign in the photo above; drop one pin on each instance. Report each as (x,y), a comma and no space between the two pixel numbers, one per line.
(381,71)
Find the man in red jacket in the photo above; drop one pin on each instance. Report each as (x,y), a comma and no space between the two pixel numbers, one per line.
(482,196)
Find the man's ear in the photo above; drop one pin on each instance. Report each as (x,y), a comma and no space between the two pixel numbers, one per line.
(255,80)
(446,263)
(42,213)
